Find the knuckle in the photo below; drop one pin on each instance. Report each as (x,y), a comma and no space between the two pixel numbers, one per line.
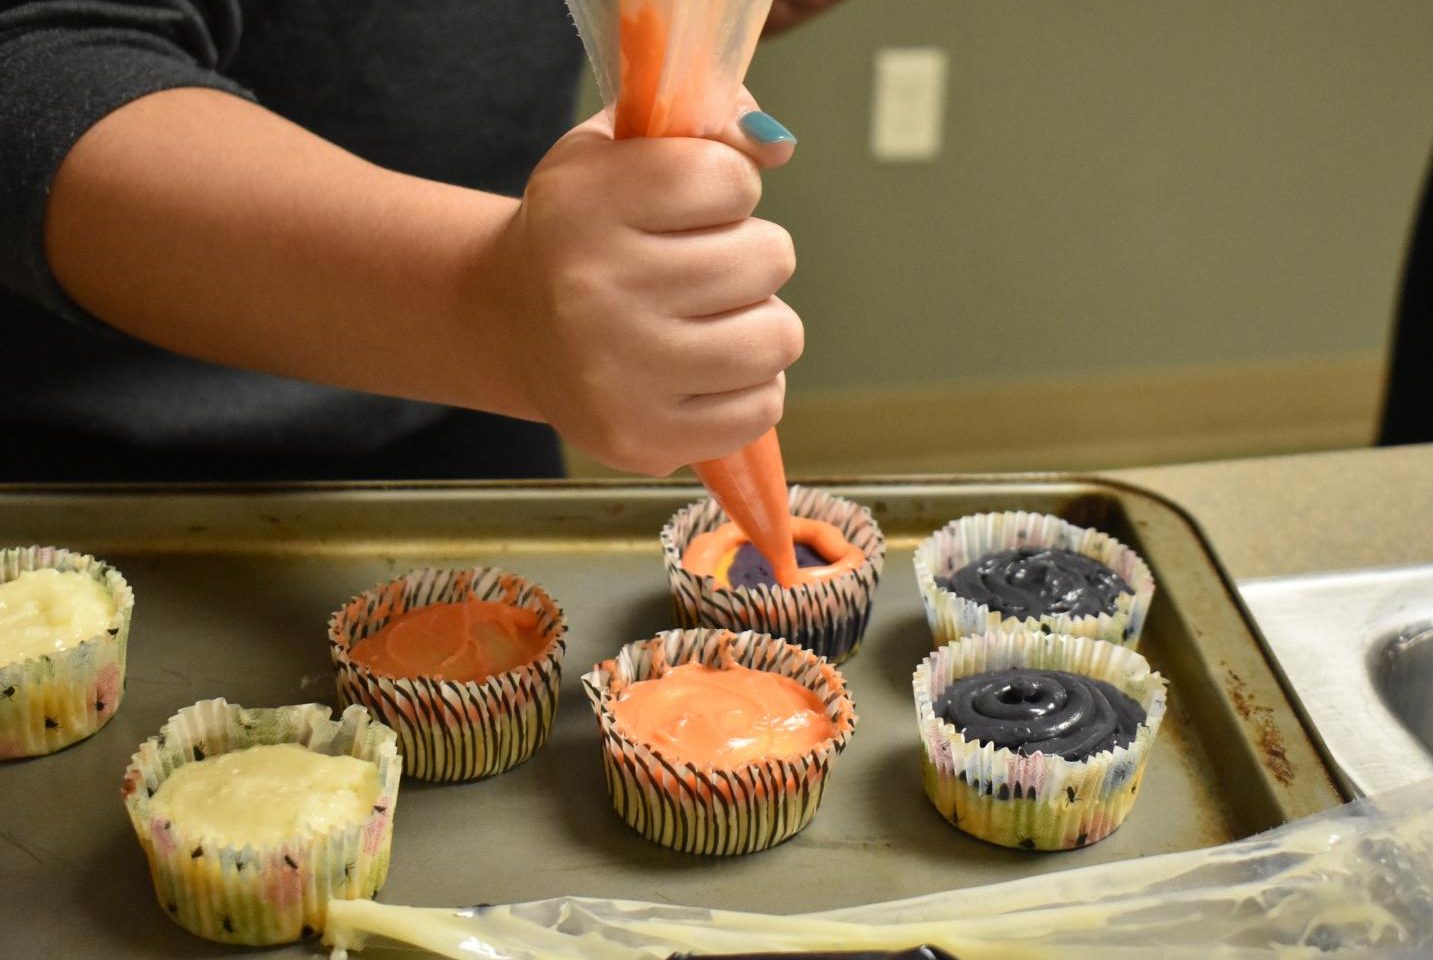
(732,175)
(788,336)
(767,407)
(779,252)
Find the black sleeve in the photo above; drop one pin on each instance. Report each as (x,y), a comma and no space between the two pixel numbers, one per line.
(64,65)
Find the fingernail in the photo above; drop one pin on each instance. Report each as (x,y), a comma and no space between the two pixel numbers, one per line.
(764,128)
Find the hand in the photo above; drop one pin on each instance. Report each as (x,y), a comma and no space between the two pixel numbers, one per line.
(786,14)
(641,316)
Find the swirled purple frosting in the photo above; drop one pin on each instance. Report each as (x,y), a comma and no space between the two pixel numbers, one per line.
(1038,581)
(1041,711)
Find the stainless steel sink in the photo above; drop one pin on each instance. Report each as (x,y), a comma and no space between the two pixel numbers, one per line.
(1357,650)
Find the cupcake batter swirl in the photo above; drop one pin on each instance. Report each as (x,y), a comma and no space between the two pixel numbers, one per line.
(1039,581)
(1041,711)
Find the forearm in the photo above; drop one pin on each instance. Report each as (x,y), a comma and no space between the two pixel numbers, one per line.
(206,225)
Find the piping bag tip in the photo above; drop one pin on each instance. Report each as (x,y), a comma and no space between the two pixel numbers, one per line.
(750,485)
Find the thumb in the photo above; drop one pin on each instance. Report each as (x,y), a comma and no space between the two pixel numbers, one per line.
(757,134)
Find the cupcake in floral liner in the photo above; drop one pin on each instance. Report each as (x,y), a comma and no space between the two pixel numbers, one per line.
(1036,740)
(64,630)
(1031,571)
(827,615)
(225,868)
(711,767)
(463,664)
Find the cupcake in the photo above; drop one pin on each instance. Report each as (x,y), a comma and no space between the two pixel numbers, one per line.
(1031,571)
(717,742)
(64,627)
(719,580)
(253,820)
(463,664)
(1036,740)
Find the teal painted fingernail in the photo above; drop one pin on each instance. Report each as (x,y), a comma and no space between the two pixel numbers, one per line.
(764,128)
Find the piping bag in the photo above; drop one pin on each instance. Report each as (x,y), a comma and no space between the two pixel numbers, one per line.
(673,68)
(1351,883)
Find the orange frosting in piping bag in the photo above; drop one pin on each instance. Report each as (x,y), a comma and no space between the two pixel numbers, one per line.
(750,484)
(468,641)
(722,717)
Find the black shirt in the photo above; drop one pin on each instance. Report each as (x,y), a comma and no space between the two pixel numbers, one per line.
(469,92)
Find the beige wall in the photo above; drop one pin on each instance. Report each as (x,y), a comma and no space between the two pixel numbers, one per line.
(1124,183)
(1124,186)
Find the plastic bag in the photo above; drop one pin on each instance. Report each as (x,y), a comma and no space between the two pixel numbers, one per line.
(669,68)
(1356,881)
(674,68)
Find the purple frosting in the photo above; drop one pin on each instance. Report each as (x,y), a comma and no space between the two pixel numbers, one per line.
(750,569)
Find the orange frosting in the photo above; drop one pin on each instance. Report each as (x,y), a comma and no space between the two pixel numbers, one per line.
(472,640)
(710,554)
(750,485)
(722,717)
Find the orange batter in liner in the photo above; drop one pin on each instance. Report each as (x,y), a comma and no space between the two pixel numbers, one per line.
(710,554)
(468,641)
(722,717)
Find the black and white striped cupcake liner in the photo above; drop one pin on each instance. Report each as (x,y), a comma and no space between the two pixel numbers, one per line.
(969,538)
(698,808)
(448,730)
(51,701)
(828,617)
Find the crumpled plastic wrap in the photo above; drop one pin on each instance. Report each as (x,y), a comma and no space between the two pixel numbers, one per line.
(1355,881)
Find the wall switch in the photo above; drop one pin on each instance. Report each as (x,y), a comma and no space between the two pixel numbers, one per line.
(908,105)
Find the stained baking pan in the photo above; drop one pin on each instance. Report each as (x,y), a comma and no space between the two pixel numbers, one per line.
(234,586)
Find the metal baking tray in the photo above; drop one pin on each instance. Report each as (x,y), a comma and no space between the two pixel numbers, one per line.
(234,586)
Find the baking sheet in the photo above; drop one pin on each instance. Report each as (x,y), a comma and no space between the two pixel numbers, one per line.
(234,586)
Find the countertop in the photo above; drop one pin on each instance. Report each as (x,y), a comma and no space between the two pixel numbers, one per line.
(1281,516)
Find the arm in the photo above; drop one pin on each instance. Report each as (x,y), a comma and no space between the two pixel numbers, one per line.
(628,299)
(204,224)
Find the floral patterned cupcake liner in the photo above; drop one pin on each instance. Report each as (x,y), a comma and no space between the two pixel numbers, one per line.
(51,701)
(1035,802)
(828,617)
(260,895)
(966,540)
(454,730)
(700,808)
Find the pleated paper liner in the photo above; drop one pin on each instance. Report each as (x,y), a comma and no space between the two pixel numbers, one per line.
(966,540)
(51,701)
(828,617)
(454,730)
(699,808)
(266,894)
(1033,802)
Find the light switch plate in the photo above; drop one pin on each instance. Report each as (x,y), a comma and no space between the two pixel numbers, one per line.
(908,104)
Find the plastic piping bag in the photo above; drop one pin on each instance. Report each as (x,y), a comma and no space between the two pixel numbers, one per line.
(1353,882)
(673,68)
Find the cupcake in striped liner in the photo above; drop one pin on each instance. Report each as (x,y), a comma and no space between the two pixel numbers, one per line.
(735,589)
(1036,740)
(64,632)
(463,664)
(254,819)
(1031,571)
(716,742)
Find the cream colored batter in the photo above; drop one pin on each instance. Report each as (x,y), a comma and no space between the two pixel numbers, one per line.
(263,795)
(46,611)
